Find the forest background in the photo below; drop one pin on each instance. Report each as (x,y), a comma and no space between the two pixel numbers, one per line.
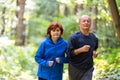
(23,25)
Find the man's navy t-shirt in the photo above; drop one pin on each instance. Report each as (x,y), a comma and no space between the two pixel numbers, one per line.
(82,60)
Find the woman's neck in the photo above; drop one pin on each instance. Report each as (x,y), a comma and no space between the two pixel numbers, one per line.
(54,40)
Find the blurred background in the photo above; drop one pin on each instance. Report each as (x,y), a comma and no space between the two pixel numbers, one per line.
(23,25)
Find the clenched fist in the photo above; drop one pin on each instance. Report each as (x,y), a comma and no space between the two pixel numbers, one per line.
(85,48)
(51,63)
(95,54)
(57,60)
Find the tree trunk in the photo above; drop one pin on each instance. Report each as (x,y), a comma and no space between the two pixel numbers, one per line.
(115,15)
(3,20)
(94,19)
(78,8)
(66,11)
(20,30)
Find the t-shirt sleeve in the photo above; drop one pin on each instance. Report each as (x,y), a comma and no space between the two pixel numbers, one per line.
(71,47)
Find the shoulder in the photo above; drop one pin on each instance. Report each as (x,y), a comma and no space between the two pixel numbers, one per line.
(75,35)
(63,41)
(44,41)
(93,36)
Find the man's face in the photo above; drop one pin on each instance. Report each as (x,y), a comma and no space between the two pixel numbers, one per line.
(85,23)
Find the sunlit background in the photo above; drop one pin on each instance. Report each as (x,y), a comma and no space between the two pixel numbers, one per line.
(23,28)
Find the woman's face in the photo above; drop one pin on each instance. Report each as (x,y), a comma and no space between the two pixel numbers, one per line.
(55,33)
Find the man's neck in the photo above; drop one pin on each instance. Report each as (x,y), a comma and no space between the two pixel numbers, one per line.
(85,32)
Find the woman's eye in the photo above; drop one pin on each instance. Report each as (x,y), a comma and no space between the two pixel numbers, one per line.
(58,30)
(53,30)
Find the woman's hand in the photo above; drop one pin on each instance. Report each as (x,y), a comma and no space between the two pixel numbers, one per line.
(51,63)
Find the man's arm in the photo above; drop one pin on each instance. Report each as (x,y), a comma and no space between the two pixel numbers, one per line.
(85,48)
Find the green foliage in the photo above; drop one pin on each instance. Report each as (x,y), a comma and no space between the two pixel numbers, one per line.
(7,17)
(47,7)
(37,28)
(16,62)
(69,24)
(108,64)
(118,4)
(107,36)
(105,28)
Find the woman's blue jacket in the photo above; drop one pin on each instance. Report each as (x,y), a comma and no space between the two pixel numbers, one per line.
(48,51)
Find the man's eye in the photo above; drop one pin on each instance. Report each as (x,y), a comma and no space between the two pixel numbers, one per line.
(84,21)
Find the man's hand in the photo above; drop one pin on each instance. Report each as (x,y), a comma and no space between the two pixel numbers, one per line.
(95,54)
(85,48)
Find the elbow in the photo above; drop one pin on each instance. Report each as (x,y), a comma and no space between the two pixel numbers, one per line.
(35,58)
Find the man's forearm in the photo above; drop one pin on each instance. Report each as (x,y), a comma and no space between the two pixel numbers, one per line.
(78,51)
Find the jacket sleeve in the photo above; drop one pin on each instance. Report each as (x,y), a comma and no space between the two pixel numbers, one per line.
(39,57)
(64,59)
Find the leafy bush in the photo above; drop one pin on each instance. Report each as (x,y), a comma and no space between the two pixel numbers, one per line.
(17,63)
(108,64)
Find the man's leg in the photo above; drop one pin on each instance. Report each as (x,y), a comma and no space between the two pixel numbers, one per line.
(74,73)
(88,74)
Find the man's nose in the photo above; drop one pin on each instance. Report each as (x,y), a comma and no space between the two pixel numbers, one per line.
(86,22)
